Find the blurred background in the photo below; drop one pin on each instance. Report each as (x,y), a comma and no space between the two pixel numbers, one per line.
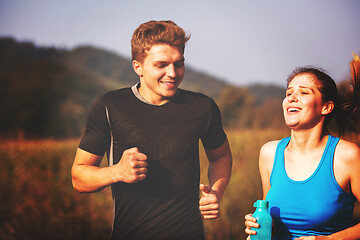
(56,57)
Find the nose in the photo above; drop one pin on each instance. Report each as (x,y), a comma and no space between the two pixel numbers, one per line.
(293,97)
(170,71)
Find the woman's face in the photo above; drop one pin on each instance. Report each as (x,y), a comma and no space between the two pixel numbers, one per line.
(303,106)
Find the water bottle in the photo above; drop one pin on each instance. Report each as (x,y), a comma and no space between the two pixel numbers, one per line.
(264,219)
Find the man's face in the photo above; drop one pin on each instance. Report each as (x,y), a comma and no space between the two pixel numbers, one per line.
(160,73)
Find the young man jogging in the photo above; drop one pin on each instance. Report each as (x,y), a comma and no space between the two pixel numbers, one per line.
(151,134)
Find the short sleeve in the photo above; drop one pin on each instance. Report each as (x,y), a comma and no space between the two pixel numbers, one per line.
(214,137)
(96,137)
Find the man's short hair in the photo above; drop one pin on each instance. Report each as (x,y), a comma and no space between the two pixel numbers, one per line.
(156,32)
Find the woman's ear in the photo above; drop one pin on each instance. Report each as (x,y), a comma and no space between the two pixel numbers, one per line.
(137,68)
(327,108)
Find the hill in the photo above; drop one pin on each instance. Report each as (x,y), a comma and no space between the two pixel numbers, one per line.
(46,92)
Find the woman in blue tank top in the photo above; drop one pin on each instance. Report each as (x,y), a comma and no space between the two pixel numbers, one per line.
(311,179)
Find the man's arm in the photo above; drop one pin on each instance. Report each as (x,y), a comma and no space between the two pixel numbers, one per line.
(87,176)
(219,172)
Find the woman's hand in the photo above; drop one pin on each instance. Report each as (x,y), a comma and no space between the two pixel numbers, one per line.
(250,222)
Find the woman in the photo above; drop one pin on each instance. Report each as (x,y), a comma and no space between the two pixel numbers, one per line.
(311,179)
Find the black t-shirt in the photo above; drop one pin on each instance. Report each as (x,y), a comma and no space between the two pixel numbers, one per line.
(165,204)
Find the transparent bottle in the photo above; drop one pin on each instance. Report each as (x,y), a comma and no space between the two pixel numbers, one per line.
(264,219)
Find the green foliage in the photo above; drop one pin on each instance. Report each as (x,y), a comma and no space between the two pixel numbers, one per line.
(242,109)
(46,92)
(265,92)
(201,82)
(233,102)
(42,97)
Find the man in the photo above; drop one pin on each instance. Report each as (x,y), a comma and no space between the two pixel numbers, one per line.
(151,134)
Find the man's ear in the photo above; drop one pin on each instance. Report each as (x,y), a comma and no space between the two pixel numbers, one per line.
(137,68)
(327,108)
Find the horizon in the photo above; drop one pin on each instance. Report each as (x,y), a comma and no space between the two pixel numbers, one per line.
(243,43)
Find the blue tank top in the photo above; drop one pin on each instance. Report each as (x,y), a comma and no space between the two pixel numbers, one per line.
(315,206)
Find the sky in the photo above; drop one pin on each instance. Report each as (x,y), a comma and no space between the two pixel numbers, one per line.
(243,42)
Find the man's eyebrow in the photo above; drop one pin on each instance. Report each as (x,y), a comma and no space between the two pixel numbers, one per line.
(161,62)
(165,61)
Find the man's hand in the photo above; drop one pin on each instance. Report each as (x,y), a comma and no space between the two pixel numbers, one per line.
(132,166)
(209,202)
(87,176)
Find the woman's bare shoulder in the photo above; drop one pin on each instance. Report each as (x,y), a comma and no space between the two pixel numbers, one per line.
(267,152)
(269,147)
(348,154)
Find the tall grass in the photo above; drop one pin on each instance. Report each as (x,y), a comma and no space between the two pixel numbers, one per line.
(37,200)
(245,184)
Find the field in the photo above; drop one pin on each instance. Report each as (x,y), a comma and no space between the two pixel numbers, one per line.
(37,200)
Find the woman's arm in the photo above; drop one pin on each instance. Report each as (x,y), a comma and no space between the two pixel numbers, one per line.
(266,162)
(347,169)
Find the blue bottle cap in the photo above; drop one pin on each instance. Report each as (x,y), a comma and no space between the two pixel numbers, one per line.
(261,203)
